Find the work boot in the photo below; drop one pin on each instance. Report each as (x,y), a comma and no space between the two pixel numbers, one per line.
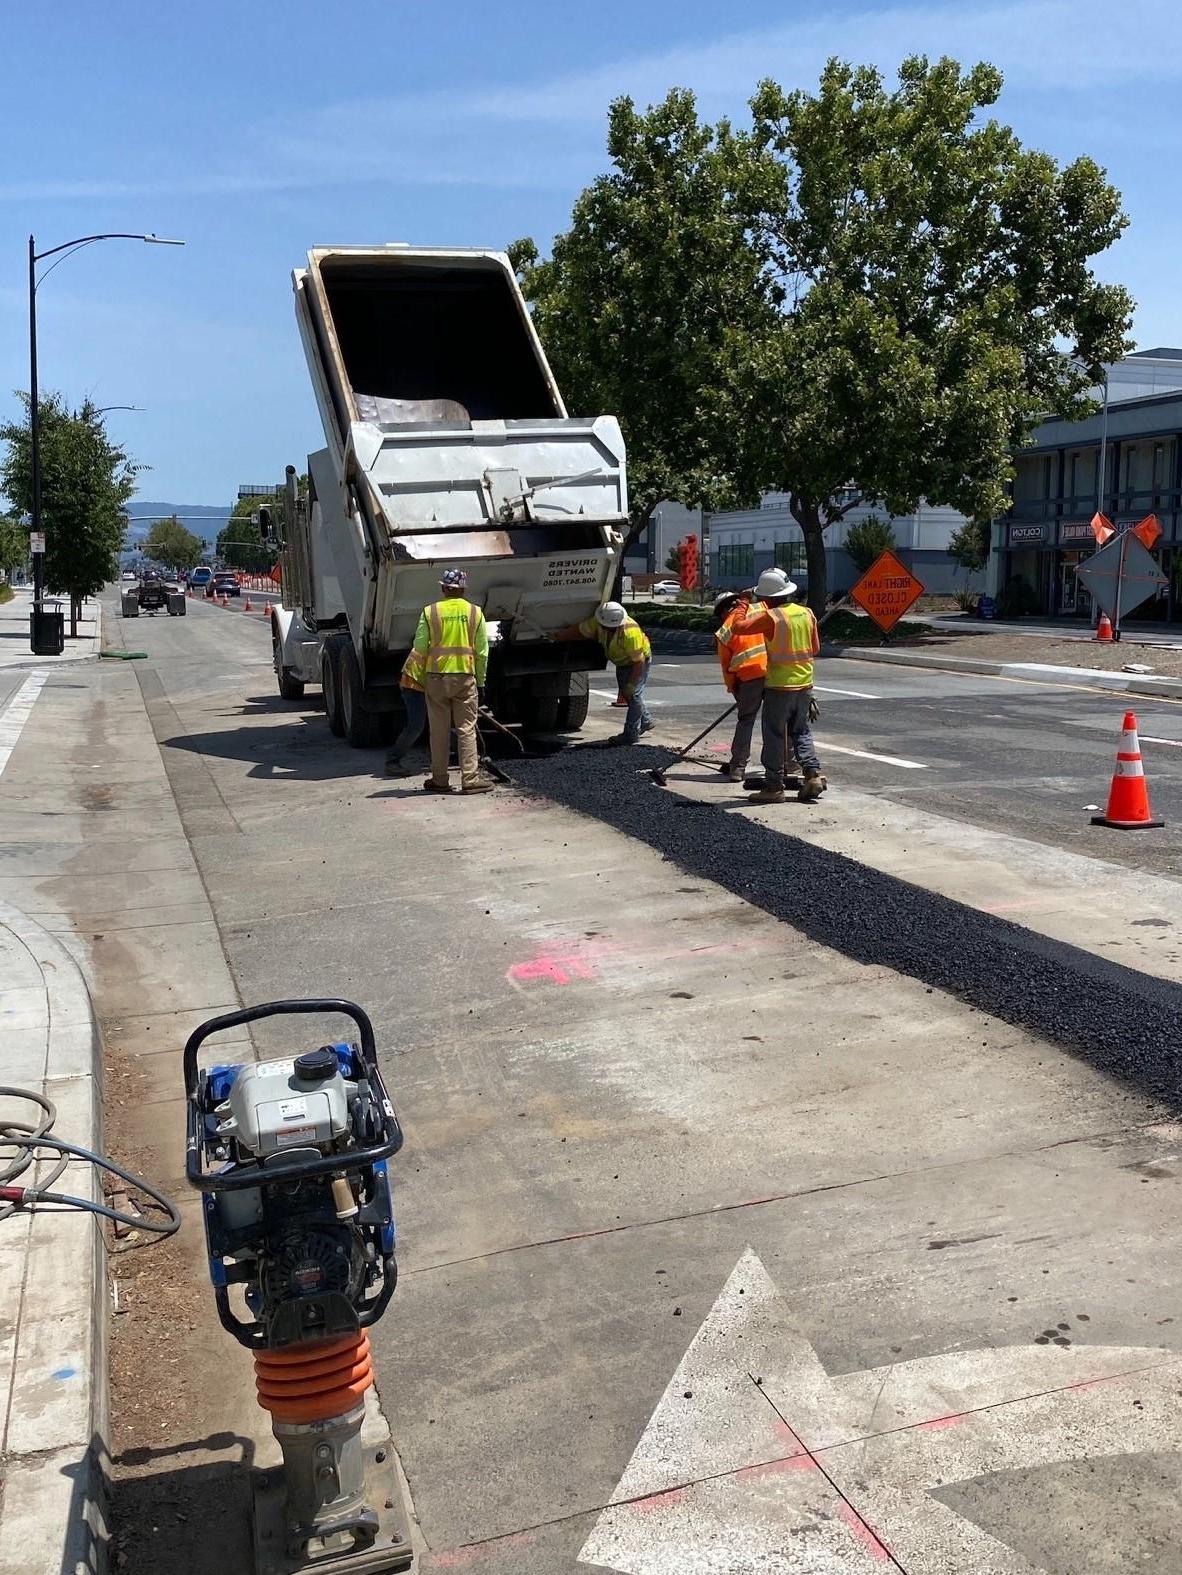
(812,787)
(395,767)
(479,786)
(770,793)
(734,773)
(431,786)
(647,727)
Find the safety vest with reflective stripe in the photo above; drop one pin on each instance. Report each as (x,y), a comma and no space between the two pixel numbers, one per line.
(414,670)
(794,643)
(452,638)
(625,645)
(742,656)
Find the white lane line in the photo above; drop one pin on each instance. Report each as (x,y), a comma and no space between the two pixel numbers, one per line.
(854,694)
(1148,738)
(17,712)
(864,754)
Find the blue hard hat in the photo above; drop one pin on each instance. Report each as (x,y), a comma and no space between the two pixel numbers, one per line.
(453,579)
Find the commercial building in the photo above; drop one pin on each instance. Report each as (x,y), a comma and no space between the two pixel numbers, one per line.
(1137,439)
(744,543)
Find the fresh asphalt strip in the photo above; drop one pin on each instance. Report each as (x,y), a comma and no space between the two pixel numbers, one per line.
(1124,1022)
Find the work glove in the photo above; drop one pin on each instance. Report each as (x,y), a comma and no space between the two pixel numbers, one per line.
(480,695)
(814,710)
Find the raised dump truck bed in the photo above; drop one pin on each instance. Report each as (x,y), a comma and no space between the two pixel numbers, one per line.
(447,445)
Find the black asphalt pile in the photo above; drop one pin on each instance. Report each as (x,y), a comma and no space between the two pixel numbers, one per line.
(1122,1021)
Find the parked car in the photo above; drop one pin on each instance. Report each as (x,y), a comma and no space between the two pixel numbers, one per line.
(667,588)
(226,583)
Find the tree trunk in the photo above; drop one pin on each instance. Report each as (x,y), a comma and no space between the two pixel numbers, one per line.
(635,530)
(809,518)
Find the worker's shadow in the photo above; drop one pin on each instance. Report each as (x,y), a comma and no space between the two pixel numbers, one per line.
(176,1511)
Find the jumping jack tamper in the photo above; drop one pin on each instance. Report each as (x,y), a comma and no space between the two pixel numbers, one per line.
(290,1157)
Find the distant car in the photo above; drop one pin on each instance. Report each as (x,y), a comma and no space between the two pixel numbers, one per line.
(201,576)
(225,583)
(666,588)
(128,576)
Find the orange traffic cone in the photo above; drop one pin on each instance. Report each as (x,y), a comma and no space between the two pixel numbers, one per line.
(1128,797)
(1104,629)
(247,606)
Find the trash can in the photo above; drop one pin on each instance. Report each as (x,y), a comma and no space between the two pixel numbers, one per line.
(47,631)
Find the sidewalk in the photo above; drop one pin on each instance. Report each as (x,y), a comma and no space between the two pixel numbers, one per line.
(53,1330)
(14,631)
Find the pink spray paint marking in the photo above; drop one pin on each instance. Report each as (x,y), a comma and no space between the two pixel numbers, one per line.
(876,1549)
(475,1554)
(938,1422)
(559,968)
(655,1501)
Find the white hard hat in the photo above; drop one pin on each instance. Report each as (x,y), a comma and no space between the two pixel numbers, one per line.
(774,582)
(611,615)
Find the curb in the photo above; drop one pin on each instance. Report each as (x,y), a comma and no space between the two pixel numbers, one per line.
(1092,677)
(1045,672)
(53,1349)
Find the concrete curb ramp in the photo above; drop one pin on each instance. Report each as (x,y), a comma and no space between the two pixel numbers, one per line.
(53,1335)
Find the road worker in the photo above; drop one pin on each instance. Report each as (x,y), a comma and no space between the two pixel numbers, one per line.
(414,705)
(793,639)
(743,658)
(452,639)
(628,649)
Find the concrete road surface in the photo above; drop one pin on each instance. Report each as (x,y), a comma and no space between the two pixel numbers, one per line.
(720,1252)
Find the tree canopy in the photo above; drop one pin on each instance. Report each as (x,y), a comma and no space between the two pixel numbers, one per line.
(14,544)
(171,544)
(868,540)
(871,293)
(85,481)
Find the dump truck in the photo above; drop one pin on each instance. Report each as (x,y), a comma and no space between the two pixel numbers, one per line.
(447,446)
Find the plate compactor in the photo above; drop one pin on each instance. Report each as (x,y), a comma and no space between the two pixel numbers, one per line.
(290,1157)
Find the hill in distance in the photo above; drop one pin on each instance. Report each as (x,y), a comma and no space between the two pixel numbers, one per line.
(203,519)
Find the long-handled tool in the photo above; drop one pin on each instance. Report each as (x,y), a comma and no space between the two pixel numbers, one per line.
(658,773)
(490,765)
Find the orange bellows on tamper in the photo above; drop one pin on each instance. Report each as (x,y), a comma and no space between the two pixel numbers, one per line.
(1128,798)
(314,1382)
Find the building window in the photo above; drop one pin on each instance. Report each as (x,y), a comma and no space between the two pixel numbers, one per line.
(790,556)
(737,561)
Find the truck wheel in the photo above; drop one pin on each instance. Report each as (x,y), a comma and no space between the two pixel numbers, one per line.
(540,713)
(330,682)
(572,712)
(362,728)
(290,687)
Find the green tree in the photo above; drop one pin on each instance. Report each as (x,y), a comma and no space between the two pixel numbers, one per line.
(868,539)
(940,298)
(240,544)
(651,304)
(172,545)
(14,545)
(85,481)
(968,546)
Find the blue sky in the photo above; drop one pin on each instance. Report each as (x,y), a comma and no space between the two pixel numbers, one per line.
(256,130)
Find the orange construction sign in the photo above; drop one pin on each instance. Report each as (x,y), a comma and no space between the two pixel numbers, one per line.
(886,591)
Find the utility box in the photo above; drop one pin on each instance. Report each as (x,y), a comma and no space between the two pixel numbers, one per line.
(47,631)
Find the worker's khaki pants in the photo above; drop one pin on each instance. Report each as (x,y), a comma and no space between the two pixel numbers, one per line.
(451,702)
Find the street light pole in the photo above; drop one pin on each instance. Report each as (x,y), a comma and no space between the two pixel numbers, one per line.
(35,406)
(34,428)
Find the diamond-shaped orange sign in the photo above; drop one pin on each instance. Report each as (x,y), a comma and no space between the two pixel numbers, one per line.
(886,591)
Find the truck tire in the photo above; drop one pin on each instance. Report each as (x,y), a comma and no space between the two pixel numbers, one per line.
(330,682)
(290,687)
(572,712)
(362,728)
(540,713)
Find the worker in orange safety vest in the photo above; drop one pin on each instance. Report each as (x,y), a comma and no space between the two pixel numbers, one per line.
(743,659)
(793,639)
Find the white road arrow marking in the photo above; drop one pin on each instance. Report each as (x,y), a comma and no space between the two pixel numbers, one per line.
(756,1462)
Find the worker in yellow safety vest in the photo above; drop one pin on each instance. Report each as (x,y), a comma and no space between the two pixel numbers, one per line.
(627,647)
(452,639)
(793,639)
(411,686)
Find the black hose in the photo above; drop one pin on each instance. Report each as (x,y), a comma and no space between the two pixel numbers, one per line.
(29,1140)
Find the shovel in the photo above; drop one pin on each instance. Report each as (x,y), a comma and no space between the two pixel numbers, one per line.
(658,773)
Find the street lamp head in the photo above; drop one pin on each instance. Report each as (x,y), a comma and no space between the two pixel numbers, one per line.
(160,240)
